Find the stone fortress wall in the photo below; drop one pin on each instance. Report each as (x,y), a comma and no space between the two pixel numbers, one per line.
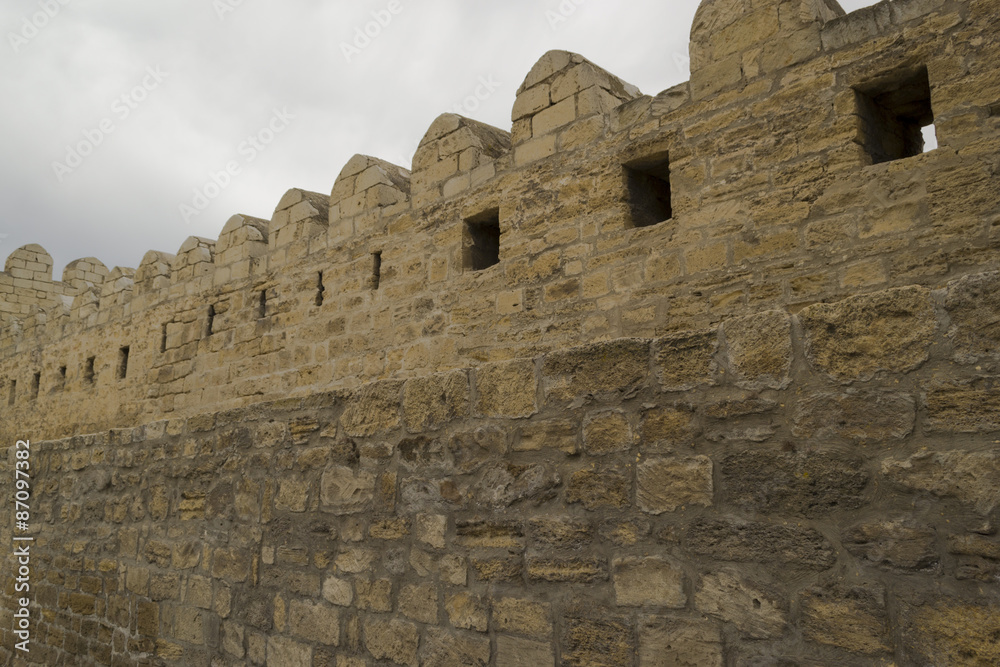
(706,377)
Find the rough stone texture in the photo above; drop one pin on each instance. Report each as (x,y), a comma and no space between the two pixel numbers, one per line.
(257,451)
(973,304)
(972,477)
(685,360)
(648,582)
(759,349)
(668,484)
(671,642)
(757,613)
(854,619)
(808,483)
(860,416)
(857,337)
(893,544)
(507,389)
(433,401)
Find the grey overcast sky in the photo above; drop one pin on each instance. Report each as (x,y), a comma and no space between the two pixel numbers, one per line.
(115,113)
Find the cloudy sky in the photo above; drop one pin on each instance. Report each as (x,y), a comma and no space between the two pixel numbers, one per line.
(119,119)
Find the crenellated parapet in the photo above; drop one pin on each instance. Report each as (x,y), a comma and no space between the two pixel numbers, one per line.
(789,170)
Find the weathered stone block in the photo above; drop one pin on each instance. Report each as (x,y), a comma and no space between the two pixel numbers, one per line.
(860,336)
(864,416)
(507,389)
(959,408)
(665,428)
(453,649)
(973,304)
(972,477)
(614,367)
(593,643)
(952,632)
(517,652)
(523,617)
(808,483)
(759,349)
(758,614)
(374,408)
(560,532)
(854,619)
(467,611)
(314,622)
(894,544)
(669,484)
(577,570)
(346,491)
(648,582)
(419,602)
(749,541)
(433,401)
(392,640)
(606,432)
(685,360)
(285,652)
(674,642)
(598,489)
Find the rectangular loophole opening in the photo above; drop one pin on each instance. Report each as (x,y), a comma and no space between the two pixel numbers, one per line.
(163,339)
(895,114)
(210,322)
(36,383)
(12,395)
(320,289)
(481,240)
(88,370)
(262,305)
(376,269)
(123,362)
(647,185)
(61,380)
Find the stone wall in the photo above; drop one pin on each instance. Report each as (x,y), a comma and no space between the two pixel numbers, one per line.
(707,377)
(820,488)
(775,200)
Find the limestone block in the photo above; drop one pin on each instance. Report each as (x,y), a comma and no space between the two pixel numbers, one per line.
(392,640)
(854,619)
(648,582)
(674,642)
(757,612)
(972,477)
(669,484)
(433,401)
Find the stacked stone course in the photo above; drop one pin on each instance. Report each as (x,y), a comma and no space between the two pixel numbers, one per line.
(726,393)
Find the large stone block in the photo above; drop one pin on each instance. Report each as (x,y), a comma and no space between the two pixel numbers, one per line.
(753,541)
(611,368)
(863,416)
(894,544)
(374,408)
(347,491)
(686,360)
(973,304)
(964,408)
(759,349)
(517,652)
(652,582)
(952,632)
(597,643)
(972,477)
(676,642)
(507,389)
(597,489)
(855,338)
(453,649)
(392,640)
(607,432)
(523,617)
(807,483)
(851,618)
(758,613)
(314,622)
(669,484)
(430,402)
